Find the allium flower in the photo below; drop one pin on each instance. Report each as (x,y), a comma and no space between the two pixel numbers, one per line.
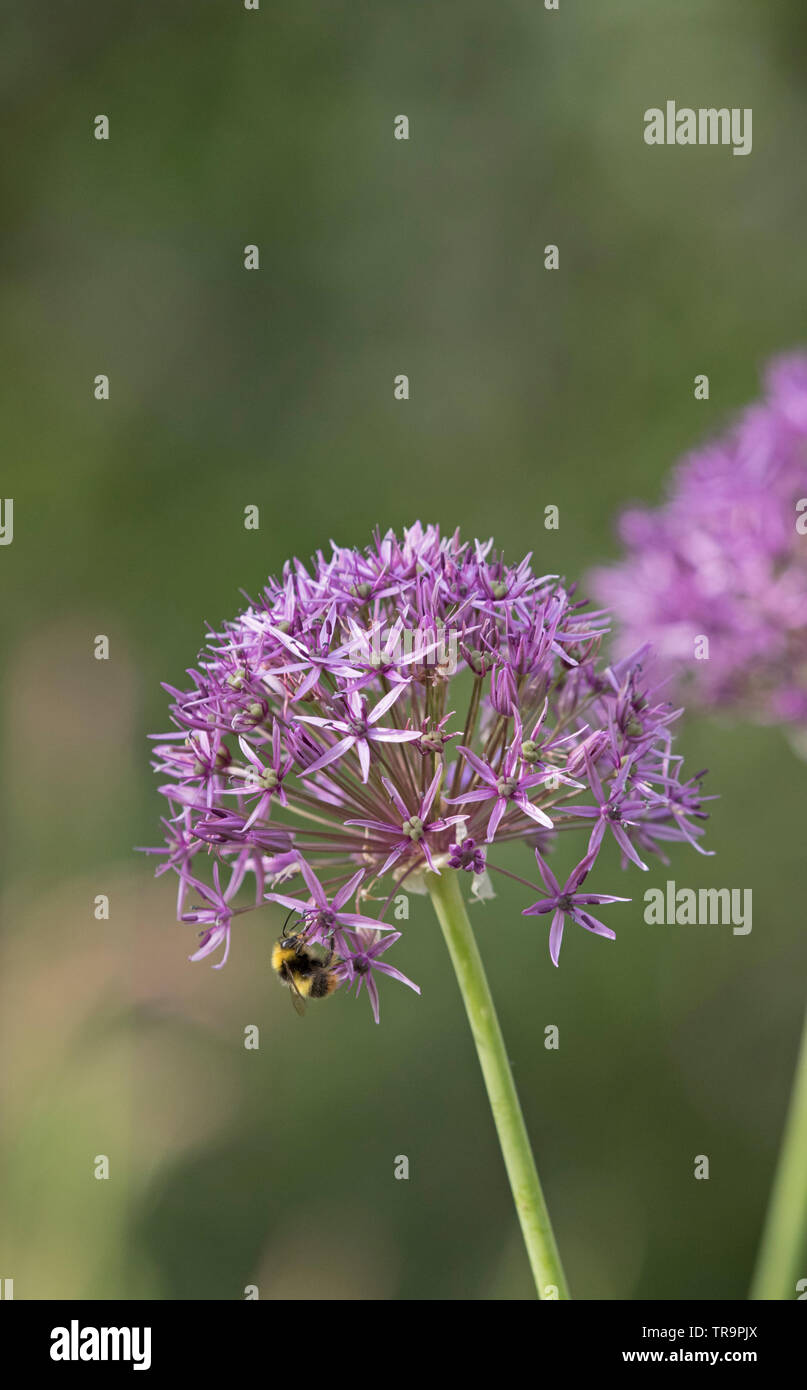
(362,958)
(725,559)
(503,782)
(374,719)
(325,921)
(567,902)
(412,827)
(716,579)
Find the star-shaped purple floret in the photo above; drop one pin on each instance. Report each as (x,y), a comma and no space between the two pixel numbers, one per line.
(568,902)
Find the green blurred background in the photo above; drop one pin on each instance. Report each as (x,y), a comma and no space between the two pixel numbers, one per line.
(275,388)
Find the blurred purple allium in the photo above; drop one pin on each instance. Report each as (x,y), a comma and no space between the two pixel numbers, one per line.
(406,710)
(725,559)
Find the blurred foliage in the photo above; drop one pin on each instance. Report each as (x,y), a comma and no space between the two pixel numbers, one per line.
(230,1167)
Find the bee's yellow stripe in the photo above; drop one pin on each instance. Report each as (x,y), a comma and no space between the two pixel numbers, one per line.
(281,954)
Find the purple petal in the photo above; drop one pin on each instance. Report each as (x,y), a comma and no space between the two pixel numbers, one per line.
(288,902)
(556,936)
(534,812)
(396,975)
(585,919)
(355,919)
(330,755)
(315,887)
(426,803)
(385,703)
(393,735)
(625,844)
(476,763)
(396,798)
(538,909)
(363,750)
(481,794)
(347,890)
(495,816)
(547,874)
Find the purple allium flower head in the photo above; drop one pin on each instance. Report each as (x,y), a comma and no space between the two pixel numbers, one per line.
(382,715)
(716,577)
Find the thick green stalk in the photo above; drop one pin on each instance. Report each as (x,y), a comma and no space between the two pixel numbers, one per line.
(515,1145)
(782,1259)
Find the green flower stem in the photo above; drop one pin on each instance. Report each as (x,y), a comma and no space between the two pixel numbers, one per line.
(782,1258)
(515,1145)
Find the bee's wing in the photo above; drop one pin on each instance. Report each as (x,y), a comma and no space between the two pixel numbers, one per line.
(296,997)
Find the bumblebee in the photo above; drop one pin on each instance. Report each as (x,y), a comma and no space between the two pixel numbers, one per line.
(298,964)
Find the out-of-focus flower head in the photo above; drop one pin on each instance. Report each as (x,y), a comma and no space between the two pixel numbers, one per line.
(381,715)
(716,577)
